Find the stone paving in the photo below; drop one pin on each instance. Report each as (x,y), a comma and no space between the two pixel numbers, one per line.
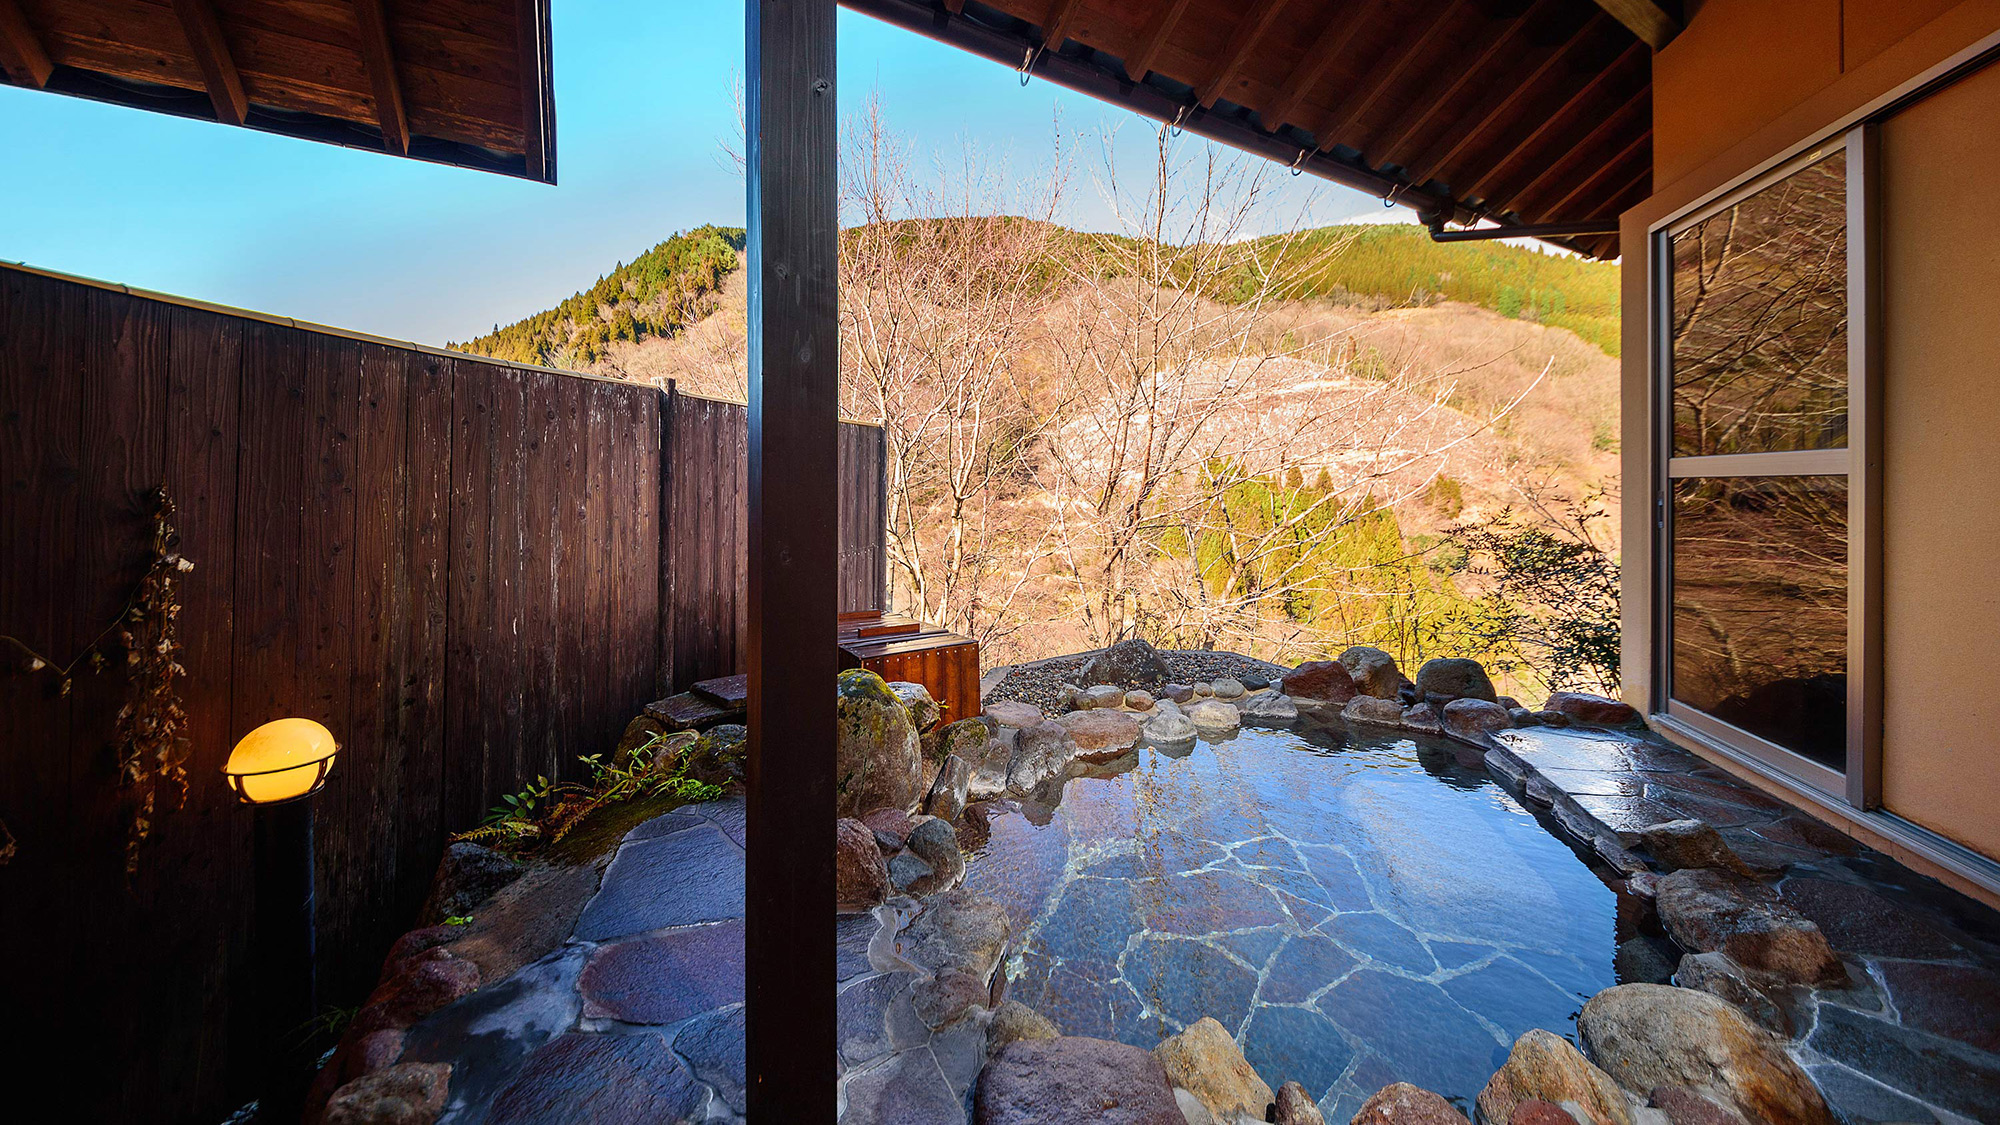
(1916,1038)
(638,1016)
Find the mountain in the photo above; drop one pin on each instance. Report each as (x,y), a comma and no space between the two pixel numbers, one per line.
(676,284)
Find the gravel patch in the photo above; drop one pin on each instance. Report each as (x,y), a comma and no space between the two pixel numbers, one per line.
(1037,683)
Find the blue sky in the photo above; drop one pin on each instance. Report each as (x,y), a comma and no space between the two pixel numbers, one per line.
(644,101)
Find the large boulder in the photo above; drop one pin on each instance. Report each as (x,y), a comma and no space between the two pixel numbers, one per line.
(467,875)
(1041,752)
(1296,1106)
(1373,710)
(877,759)
(1101,735)
(948,794)
(1129,663)
(936,843)
(1139,699)
(717,756)
(1675,844)
(861,881)
(924,711)
(1403,1104)
(1373,671)
(1724,979)
(1322,681)
(1228,687)
(1476,719)
(1706,910)
(1598,710)
(1422,718)
(1205,1061)
(411,1093)
(1451,677)
(1012,713)
(1269,706)
(1545,1067)
(1074,1079)
(1168,726)
(1214,715)
(1648,1036)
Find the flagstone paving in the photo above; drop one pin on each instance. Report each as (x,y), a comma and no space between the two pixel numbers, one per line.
(1917,1036)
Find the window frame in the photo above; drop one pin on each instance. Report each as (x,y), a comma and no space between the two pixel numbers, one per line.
(1858,464)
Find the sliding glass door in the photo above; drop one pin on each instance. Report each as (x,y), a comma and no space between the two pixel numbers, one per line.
(1757,395)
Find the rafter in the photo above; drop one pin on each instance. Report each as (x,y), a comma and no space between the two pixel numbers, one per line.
(211,55)
(1155,40)
(1420,116)
(1586,95)
(1475,128)
(1556,169)
(1583,186)
(1332,43)
(1645,19)
(1242,42)
(1388,69)
(379,57)
(22,55)
(1060,19)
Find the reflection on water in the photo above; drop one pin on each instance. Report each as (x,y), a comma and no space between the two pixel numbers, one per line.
(1357,911)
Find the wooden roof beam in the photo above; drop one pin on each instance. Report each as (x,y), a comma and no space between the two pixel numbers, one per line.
(1556,169)
(1578,103)
(1242,41)
(1155,40)
(22,55)
(211,55)
(378,57)
(1319,58)
(1502,46)
(1474,128)
(1387,71)
(1057,23)
(1635,147)
(1645,19)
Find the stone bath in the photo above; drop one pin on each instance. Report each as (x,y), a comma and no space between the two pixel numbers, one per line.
(1356,908)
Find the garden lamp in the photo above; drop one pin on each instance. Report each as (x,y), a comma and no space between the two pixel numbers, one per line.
(274,769)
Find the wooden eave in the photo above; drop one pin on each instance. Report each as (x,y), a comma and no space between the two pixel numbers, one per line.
(1512,112)
(461,82)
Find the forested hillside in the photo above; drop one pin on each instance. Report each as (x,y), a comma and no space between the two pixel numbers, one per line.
(659,293)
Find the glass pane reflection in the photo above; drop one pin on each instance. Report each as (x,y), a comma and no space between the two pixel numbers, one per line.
(1760,320)
(1760,608)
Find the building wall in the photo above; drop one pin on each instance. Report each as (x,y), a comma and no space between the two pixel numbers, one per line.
(1748,84)
(1940,478)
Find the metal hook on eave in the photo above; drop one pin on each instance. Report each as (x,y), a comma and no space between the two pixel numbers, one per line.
(1027,67)
(1180,115)
(1299,162)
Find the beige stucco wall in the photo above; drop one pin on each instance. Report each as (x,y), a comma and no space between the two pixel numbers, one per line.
(1941,464)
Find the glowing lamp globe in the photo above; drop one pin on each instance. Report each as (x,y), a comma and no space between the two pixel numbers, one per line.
(282,760)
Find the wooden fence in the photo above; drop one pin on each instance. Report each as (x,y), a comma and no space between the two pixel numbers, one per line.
(473,572)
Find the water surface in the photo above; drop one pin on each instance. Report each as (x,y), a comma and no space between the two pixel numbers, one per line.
(1356,910)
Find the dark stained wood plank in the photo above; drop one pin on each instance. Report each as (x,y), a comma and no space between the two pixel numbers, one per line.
(212,55)
(1157,33)
(22,55)
(1620,118)
(1473,75)
(1588,97)
(1645,19)
(420,721)
(1429,26)
(534,101)
(1443,154)
(1332,44)
(378,55)
(790,1035)
(1250,29)
(467,746)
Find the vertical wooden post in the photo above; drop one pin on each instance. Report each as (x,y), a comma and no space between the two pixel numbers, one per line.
(794,418)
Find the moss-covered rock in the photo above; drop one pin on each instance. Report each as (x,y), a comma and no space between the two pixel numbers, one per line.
(716,758)
(878,762)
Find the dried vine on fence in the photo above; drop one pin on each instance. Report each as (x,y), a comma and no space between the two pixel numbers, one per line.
(148,736)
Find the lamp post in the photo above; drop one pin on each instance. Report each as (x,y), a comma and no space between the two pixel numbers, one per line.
(276,768)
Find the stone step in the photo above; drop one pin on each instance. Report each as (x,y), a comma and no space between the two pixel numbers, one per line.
(688,711)
(727,691)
